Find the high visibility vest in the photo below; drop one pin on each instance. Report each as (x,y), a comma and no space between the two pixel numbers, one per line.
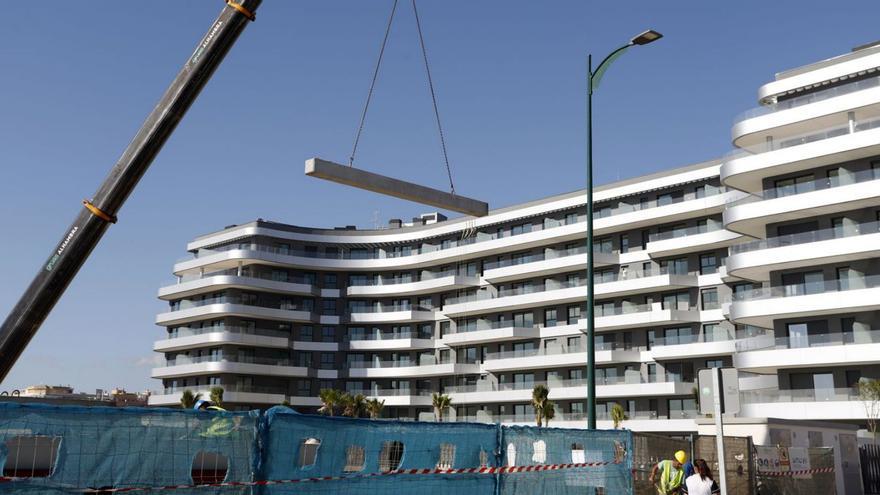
(670,478)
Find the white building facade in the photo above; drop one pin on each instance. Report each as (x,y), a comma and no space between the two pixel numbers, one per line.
(766,260)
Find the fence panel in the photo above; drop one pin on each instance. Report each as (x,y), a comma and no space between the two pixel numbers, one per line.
(648,450)
(869,458)
(787,480)
(738,457)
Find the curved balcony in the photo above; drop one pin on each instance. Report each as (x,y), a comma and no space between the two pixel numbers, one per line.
(750,215)
(231,395)
(186,366)
(515,299)
(798,116)
(770,354)
(494,331)
(391,314)
(760,307)
(558,356)
(193,338)
(190,311)
(755,260)
(816,404)
(376,341)
(550,262)
(402,369)
(689,240)
(634,216)
(643,315)
(818,74)
(227,279)
(227,257)
(441,282)
(631,282)
(838,144)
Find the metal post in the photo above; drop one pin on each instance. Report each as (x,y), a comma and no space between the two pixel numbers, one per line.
(719,430)
(591,323)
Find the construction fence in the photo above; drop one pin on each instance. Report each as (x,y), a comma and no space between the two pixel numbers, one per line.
(68,449)
(795,470)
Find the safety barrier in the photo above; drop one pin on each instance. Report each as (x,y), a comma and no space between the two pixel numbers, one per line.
(65,449)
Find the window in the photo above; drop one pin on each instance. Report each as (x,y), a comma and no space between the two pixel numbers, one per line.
(710,299)
(354,459)
(303,388)
(624,243)
(700,192)
(329,306)
(524,320)
(309,278)
(682,408)
(308,452)
(574,314)
(798,336)
(445,328)
(304,359)
(571,218)
(447,456)
(679,300)
(708,264)
(714,363)
(539,452)
(603,245)
(664,199)
(305,333)
(521,229)
(32,456)
(678,266)
(795,185)
(330,280)
(390,456)
(550,317)
(328,334)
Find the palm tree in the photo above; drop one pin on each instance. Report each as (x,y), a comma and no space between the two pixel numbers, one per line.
(539,398)
(217,396)
(548,410)
(374,407)
(353,406)
(330,398)
(188,399)
(618,414)
(441,402)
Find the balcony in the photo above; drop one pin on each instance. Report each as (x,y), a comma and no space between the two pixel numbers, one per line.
(688,240)
(693,346)
(643,315)
(843,142)
(401,397)
(194,284)
(190,311)
(550,262)
(192,338)
(767,354)
(806,404)
(755,260)
(485,301)
(855,190)
(425,367)
(760,307)
(378,340)
(439,282)
(390,314)
(558,356)
(193,366)
(798,115)
(630,282)
(490,331)
(633,216)
(232,394)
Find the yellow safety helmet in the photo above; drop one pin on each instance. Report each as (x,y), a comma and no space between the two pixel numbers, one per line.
(681,457)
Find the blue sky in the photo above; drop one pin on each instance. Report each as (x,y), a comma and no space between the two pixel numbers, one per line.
(77,83)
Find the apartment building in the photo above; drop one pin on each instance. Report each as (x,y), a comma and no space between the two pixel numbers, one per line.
(765,260)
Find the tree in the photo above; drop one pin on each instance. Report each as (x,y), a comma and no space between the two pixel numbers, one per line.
(618,414)
(188,399)
(869,393)
(374,408)
(286,403)
(539,398)
(441,403)
(548,411)
(353,406)
(330,399)
(217,396)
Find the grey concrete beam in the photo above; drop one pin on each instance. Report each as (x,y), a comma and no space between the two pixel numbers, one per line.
(362,179)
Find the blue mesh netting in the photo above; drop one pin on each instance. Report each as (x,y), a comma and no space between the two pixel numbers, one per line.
(64,449)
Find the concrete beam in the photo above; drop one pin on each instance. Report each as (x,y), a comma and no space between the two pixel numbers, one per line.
(361,179)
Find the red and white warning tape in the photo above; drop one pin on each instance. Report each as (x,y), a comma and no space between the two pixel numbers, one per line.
(797,473)
(479,470)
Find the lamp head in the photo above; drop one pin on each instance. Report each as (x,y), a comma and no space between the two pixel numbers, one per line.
(646,37)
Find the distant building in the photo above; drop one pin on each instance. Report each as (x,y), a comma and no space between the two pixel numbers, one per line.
(65,395)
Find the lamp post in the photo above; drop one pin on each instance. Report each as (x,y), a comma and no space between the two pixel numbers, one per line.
(593,79)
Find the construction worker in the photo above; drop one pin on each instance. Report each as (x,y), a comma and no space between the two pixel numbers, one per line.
(667,476)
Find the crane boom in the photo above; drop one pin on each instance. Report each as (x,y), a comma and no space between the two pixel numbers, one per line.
(89,226)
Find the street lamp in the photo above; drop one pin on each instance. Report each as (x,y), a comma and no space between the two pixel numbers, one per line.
(593,80)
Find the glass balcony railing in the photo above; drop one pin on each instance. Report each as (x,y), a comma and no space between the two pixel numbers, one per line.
(811,186)
(806,99)
(187,304)
(623,208)
(840,232)
(517,291)
(378,282)
(799,395)
(809,288)
(388,336)
(274,277)
(685,232)
(622,310)
(549,351)
(387,309)
(693,339)
(182,360)
(769,342)
(532,258)
(181,332)
(205,390)
(776,143)
(399,363)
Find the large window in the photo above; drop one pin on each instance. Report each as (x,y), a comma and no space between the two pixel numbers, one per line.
(574,314)
(708,264)
(710,299)
(794,185)
(550,317)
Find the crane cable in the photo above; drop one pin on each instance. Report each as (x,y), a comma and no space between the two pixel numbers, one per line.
(430,87)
